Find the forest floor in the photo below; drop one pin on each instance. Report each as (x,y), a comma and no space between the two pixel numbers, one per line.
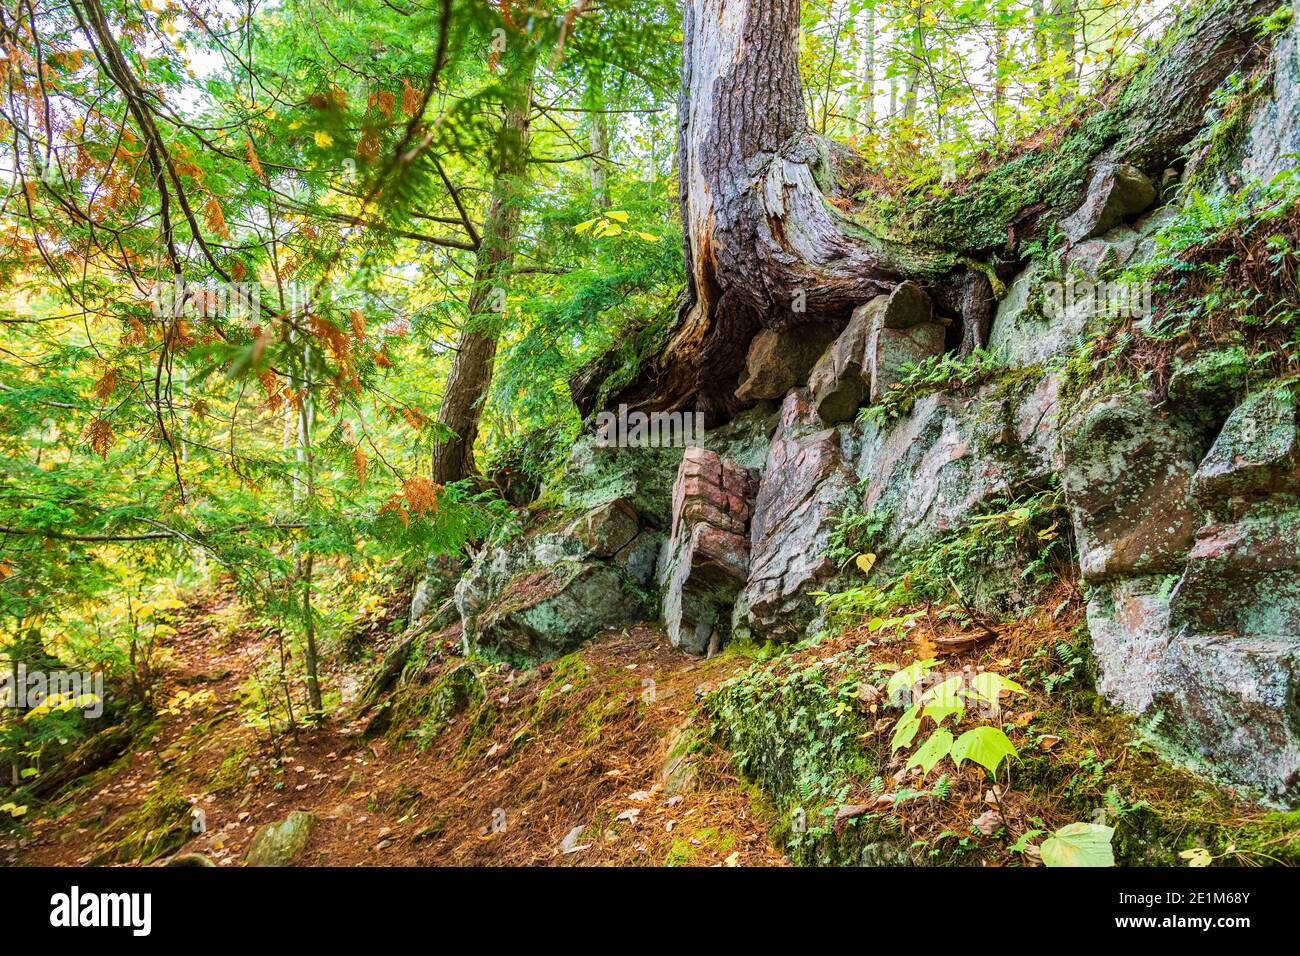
(573,744)
(603,757)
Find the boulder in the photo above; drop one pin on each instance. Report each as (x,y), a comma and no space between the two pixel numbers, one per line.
(1127,478)
(1128,622)
(708,552)
(597,474)
(1256,451)
(1044,314)
(1115,192)
(903,333)
(949,456)
(1243,577)
(541,595)
(435,586)
(780,360)
(1232,701)
(839,383)
(807,483)
(280,844)
(606,529)
(640,557)
(549,611)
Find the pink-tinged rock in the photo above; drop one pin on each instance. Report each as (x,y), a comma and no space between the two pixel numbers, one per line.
(839,381)
(702,463)
(1243,578)
(806,484)
(1127,479)
(952,456)
(1231,700)
(1128,623)
(781,360)
(708,553)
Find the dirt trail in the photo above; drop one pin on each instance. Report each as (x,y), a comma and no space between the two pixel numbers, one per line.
(575,743)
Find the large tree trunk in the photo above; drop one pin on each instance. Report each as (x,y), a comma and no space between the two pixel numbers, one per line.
(764,246)
(471,369)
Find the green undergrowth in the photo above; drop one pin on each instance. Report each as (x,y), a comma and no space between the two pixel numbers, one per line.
(946,373)
(974,214)
(800,728)
(1225,290)
(1011,547)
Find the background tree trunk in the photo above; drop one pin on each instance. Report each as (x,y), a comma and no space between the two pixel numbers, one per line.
(866,36)
(471,369)
(597,123)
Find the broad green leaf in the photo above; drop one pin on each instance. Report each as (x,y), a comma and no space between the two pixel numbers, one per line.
(908,676)
(1079,844)
(906,728)
(938,746)
(988,687)
(986,746)
(582,227)
(944,700)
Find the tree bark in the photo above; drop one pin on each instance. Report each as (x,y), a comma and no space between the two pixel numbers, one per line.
(471,370)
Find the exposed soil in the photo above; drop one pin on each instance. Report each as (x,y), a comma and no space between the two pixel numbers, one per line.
(578,743)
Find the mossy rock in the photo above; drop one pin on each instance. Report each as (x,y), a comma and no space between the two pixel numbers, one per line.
(280,844)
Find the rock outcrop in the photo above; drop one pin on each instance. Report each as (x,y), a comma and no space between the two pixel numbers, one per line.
(541,595)
(904,333)
(1183,501)
(708,554)
(1117,191)
(781,360)
(807,482)
(280,844)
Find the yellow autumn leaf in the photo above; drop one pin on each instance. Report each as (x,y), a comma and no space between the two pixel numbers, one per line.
(616,215)
(648,237)
(323,139)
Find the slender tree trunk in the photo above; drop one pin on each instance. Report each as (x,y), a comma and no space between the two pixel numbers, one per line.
(1065,19)
(917,55)
(1039,28)
(306,465)
(471,369)
(999,82)
(598,146)
(866,29)
(597,123)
